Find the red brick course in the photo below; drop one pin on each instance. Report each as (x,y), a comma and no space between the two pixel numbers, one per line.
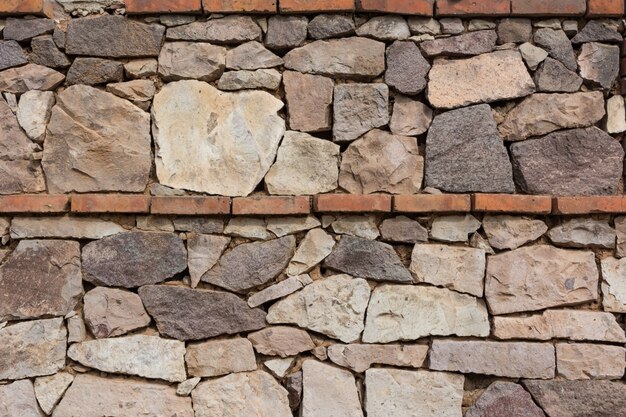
(110,203)
(432,203)
(190,205)
(314,6)
(21,6)
(34,203)
(239,6)
(548,7)
(497,203)
(411,7)
(590,205)
(163,6)
(603,8)
(473,7)
(271,205)
(352,203)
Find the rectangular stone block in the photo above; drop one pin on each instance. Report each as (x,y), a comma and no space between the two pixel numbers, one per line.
(411,7)
(239,6)
(431,203)
(548,8)
(588,361)
(315,6)
(163,6)
(473,7)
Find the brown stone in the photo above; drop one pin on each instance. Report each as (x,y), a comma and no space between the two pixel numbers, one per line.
(191,60)
(510,232)
(360,357)
(112,312)
(92,71)
(309,98)
(29,77)
(220,357)
(18,399)
(281,341)
(590,361)
(406,68)
(410,117)
(468,44)
(504,399)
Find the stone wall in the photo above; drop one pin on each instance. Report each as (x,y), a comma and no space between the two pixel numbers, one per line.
(312,208)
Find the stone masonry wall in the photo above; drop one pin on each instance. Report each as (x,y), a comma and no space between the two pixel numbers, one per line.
(220,208)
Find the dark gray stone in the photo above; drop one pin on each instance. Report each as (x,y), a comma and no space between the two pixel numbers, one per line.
(186,314)
(569,162)
(11,55)
(406,68)
(468,44)
(59,37)
(553,77)
(558,45)
(293,384)
(505,399)
(24,29)
(133,259)
(514,30)
(325,26)
(284,32)
(403,229)
(251,264)
(113,37)
(597,31)
(92,71)
(464,153)
(45,52)
(368,259)
(599,64)
(226,30)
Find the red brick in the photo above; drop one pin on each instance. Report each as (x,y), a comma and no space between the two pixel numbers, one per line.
(352,203)
(623,67)
(600,8)
(190,205)
(34,203)
(314,6)
(271,205)
(548,7)
(239,6)
(473,7)
(502,203)
(432,203)
(413,7)
(163,6)
(590,205)
(21,6)
(110,203)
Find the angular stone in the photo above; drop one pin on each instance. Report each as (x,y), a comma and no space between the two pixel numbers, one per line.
(185,388)
(29,77)
(253,228)
(424,25)
(464,152)
(351,58)
(206,313)
(220,357)
(76,329)
(136,90)
(334,306)
(613,284)
(268,79)
(113,37)
(281,341)
(403,229)
(140,68)
(112,312)
(599,64)
(199,224)
(485,78)
(32,348)
(309,98)
(224,162)
(45,52)
(92,71)
(154,223)
(304,165)
(514,30)
(328,391)
(360,358)
(356,225)
(412,393)
(532,55)
(410,117)
(95,396)
(286,32)
(316,245)
(18,399)
(597,31)
(243,394)
(504,399)
(385,28)
(510,232)
(571,162)
(454,228)
(583,233)
(620,230)
(50,389)
(279,367)
(11,55)
(553,77)
(282,226)
(293,383)
(203,253)
(590,361)
(558,46)
(615,115)
(537,277)
(33,113)
(63,227)
(189,60)
(251,56)
(506,359)
(324,26)
(480,24)
(25,29)
(359,108)
(406,68)
(280,290)
(468,44)
(451,25)
(225,30)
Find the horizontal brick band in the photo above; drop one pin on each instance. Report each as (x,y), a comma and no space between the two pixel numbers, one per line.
(110,203)
(34,203)
(163,6)
(473,7)
(410,7)
(497,203)
(19,7)
(239,6)
(352,203)
(190,205)
(590,205)
(315,6)
(426,203)
(271,205)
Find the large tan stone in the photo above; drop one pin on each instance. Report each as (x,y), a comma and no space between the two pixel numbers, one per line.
(63,226)
(33,113)
(309,98)
(510,232)
(281,341)
(583,232)
(360,357)
(614,284)
(590,361)
(18,399)
(50,389)
(328,391)
(191,60)
(29,77)
(220,357)
(113,312)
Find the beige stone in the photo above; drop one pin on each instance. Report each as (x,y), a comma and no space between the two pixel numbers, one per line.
(279,290)
(155,223)
(316,245)
(185,388)
(250,56)
(281,341)
(328,391)
(33,113)
(614,284)
(620,231)
(510,232)
(29,77)
(136,90)
(113,312)
(356,225)
(220,357)
(139,68)
(282,226)
(410,117)
(76,329)
(454,228)
(309,98)
(203,252)
(583,233)
(360,357)
(590,361)
(191,60)
(50,389)
(63,226)
(18,399)
(268,79)
(359,108)
(248,227)
(615,115)
(279,367)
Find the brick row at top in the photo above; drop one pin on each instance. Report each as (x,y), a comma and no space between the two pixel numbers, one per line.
(589,8)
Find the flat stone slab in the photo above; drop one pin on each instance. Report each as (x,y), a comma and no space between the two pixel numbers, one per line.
(510,232)
(613,285)
(328,391)
(590,361)
(360,357)
(504,399)
(229,30)
(18,399)
(113,312)
(63,227)
(220,357)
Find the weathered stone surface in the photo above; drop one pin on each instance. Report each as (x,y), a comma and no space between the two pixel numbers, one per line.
(424,25)
(385,28)
(63,226)
(514,30)
(24,29)
(309,98)
(382,162)
(76,329)
(316,245)
(139,68)
(268,79)
(615,115)
(356,225)
(613,284)
(280,290)
(410,117)
(136,90)
(506,359)
(468,44)
(251,56)
(583,233)
(412,393)
(32,348)
(540,114)
(397,312)
(279,367)
(352,58)
(251,264)
(406,68)
(203,253)
(33,113)
(359,108)
(304,165)
(133,259)
(11,55)
(146,356)
(510,232)
(367,259)
(495,76)
(328,391)
(45,52)
(113,312)
(464,152)
(92,71)
(220,357)
(537,277)
(505,399)
(29,77)
(253,228)
(572,162)
(293,383)
(403,229)
(113,37)
(597,31)
(334,306)
(451,25)
(532,55)
(94,396)
(214,166)
(288,225)
(285,32)
(558,46)
(554,77)
(243,394)
(457,268)
(50,389)
(225,30)
(599,63)
(454,228)
(191,60)
(360,357)
(206,313)
(18,399)
(185,388)
(281,341)
(324,26)
(590,361)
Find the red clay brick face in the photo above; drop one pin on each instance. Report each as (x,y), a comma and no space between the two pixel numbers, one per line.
(34,203)
(473,7)
(497,203)
(590,205)
(599,8)
(190,205)
(163,6)
(21,6)
(271,205)
(548,7)
(412,7)
(238,6)
(352,203)
(427,203)
(314,6)
(110,203)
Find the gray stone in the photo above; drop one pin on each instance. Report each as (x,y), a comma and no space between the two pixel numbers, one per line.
(279,290)
(328,391)
(504,399)
(50,389)
(18,399)
(29,77)
(468,44)
(203,253)
(286,32)
(424,25)
(554,77)
(597,31)
(24,29)
(199,224)
(510,232)
(293,384)
(571,162)
(359,108)
(225,30)
(570,27)
(532,55)
(45,52)
(514,30)
(113,312)
(268,79)
(76,329)
(220,357)
(189,60)
(406,68)
(33,113)
(451,25)
(480,24)
(251,56)
(385,28)
(171,20)
(583,233)
(454,228)
(281,341)
(11,55)
(63,227)
(410,117)
(558,46)
(324,26)
(599,63)
(92,71)
(403,229)
(309,99)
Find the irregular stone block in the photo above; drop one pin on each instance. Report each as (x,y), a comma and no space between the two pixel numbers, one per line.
(64,227)
(280,290)
(360,357)
(553,77)
(406,68)
(316,245)
(92,71)
(139,68)
(309,98)
(533,56)
(599,63)
(504,399)
(45,52)
(251,56)
(356,225)
(359,108)
(268,79)
(29,77)
(468,44)
(25,29)
(11,55)
(189,60)
(229,30)
(558,46)
(410,117)
(453,228)
(510,232)
(324,26)
(203,252)
(328,391)
(385,28)
(597,31)
(286,32)
(514,30)
(33,113)
(403,229)
(583,233)
(18,399)
(113,312)
(589,361)
(288,225)
(615,115)
(613,284)
(135,90)
(281,341)
(220,357)
(50,389)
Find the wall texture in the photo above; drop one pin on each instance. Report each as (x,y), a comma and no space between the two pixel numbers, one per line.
(312,208)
